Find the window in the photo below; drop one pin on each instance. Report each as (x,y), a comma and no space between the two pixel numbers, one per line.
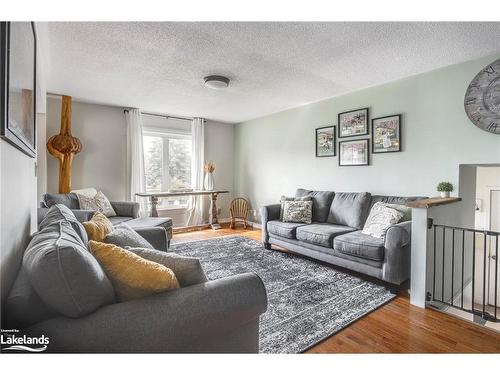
(167,162)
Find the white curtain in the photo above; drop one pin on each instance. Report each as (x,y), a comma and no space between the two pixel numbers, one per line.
(136,178)
(196,213)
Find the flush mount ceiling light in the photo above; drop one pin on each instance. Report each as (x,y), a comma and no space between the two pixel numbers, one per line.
(216,82)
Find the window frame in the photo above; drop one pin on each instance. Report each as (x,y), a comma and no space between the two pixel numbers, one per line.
(166,134)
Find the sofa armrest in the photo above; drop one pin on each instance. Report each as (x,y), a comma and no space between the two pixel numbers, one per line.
(170,322)
(156,236)
(127,209)
(81,215)
(396,268)
(268,213)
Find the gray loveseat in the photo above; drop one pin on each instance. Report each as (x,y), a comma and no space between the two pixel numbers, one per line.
(335,235)
(126,212)
(61,292)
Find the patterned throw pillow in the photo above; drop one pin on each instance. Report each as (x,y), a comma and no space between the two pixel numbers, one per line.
(98,202)
(297,212)
(287,199)
(380,219)
(405,210)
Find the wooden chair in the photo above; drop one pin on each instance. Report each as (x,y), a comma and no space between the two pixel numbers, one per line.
(239,211)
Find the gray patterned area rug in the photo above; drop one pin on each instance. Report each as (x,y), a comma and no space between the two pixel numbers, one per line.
(307,301)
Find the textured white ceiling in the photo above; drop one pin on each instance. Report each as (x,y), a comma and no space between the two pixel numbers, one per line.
(273,66)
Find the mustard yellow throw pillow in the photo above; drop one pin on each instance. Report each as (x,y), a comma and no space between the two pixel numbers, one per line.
(131,275)
(98,227)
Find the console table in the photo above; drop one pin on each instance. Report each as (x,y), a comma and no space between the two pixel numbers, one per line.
(153,199)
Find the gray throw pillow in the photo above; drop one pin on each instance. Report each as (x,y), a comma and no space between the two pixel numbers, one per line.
(187,270)
(65,275)
(124,236)
(60,212)
(380,219)
(297,212)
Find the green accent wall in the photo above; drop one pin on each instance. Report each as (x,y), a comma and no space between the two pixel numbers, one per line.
(275,154)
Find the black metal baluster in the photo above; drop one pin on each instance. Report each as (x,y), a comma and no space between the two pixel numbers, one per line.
(452,263)
(484,273)
(496,275)
(442,275)
(434,275)
(463,265)
(473,267)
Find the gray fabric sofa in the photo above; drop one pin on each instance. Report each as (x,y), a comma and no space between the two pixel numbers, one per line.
(126,212)
(61,292)
(335,234)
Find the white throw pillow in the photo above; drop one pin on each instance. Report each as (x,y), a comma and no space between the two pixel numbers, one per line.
(88,192)
(380,219)
(98,202)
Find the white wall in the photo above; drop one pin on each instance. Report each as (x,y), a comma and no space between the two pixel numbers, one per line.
(18,191)
(102,161)
(276,154)
(487,178)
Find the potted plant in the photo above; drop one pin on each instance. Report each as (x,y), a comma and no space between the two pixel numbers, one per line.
(444,188)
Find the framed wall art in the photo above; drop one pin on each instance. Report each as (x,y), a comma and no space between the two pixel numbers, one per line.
(354,153)
(18,85)
(386,134)
(325,142)
(353,123)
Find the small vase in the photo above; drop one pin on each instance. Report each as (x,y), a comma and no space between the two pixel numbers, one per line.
(445,194)
(208,184)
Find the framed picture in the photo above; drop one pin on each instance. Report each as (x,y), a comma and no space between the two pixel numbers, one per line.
(18,85)
(325,141)
(353,123)
(386,134)
(352,153)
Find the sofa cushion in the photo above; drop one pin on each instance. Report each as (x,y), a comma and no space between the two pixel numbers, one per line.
(321,234)
(322,200)
(64,274)
(282,229)
(148,222)
(70,200)
(60,212)
(116,220)
(349,209)
(360,245)
(123,236)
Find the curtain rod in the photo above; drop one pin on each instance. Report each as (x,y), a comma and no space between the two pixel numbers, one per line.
(165,116)
(144,113)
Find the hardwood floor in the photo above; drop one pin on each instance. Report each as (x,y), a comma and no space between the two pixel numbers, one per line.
(396,327)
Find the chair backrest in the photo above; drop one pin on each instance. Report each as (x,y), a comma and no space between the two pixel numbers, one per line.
(239,208)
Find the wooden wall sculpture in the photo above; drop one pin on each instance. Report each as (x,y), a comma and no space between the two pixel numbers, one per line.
(64,146)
